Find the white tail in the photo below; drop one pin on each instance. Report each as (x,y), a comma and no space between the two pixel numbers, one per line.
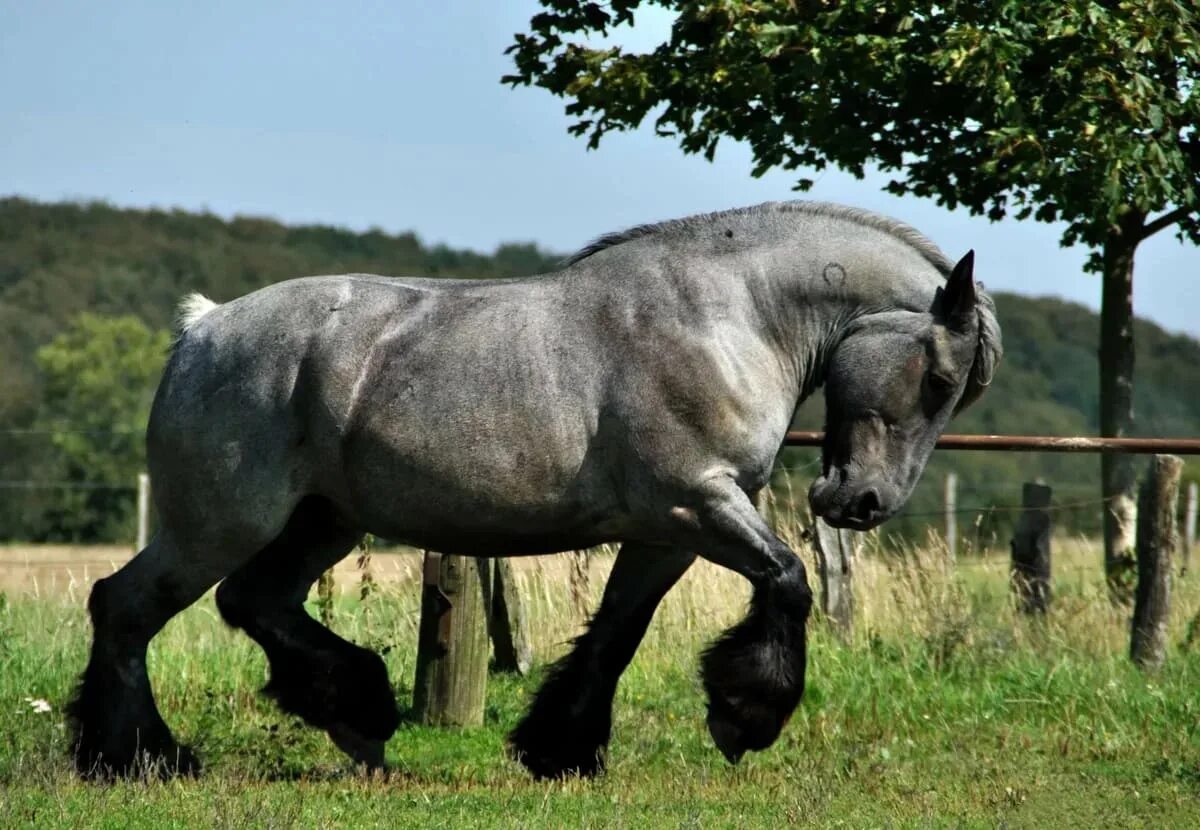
(191,309)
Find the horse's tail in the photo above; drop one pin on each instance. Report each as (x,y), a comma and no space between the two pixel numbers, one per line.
(191,309)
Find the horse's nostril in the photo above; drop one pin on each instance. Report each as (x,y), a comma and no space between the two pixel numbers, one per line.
(867,505)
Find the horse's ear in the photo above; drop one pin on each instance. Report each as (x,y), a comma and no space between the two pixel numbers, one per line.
(958,298)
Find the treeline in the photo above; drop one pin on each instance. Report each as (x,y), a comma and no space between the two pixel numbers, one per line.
(87,292)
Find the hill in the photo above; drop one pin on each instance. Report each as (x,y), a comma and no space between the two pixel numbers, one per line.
(59,260)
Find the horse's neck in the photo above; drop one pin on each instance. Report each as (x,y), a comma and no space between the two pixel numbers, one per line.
(818,291)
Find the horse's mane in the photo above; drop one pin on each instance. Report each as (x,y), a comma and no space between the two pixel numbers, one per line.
(877,221)
(988,353)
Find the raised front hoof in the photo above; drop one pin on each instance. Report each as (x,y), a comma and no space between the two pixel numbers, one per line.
(735,735)
(553,754)
(350,694)
(362,750)
(752,692)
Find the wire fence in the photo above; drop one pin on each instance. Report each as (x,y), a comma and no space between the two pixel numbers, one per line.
(64,485)
(982,490)
(1007,508)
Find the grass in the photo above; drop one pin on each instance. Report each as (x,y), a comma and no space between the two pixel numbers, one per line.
(945,708)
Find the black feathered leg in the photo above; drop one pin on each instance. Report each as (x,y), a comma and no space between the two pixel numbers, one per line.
(331,683)
(566,730)
(115,724)
(754,673)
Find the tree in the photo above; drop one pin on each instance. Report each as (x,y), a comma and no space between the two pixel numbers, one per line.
(99,375)
(1080,112)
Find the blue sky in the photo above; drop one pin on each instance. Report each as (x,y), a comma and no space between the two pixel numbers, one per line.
(392,115)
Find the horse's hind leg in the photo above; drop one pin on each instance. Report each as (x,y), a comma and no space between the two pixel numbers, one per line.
(566,729)
(330,683)
(116,726)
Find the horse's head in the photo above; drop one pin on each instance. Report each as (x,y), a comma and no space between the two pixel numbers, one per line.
(892,384)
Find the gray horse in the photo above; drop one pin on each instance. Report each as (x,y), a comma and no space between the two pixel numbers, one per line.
(639,395)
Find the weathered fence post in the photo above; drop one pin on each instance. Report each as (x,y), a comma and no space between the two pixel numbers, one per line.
(366,579)
(1031,549)
(452,642)
(509,622)
(581,592)
(325,597)
(951,507)
(836,550)
(1155,541)
(143,511)
(1189,525)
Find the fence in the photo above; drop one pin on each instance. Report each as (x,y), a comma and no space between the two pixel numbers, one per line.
(835,551)
(1035,443)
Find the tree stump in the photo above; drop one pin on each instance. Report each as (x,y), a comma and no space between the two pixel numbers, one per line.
(1155,542)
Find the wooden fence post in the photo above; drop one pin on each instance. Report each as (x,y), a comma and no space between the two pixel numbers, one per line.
(143,511)
(509,623)
(1189,525)
(836,550)
(581,593)
(452,642)
(951,506)
(1155,541)
(1031,549)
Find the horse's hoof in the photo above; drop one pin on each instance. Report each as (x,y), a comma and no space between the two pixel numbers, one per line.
(549,756)
(545,767)
(728,737)
(367,751)
(553,741)
(179,762)
(183,763)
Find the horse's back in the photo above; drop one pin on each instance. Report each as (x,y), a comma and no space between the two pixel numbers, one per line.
(392,397)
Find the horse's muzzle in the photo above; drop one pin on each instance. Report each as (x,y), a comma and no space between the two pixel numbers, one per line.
(844,505)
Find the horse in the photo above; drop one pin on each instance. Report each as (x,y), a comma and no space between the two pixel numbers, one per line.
(639,396)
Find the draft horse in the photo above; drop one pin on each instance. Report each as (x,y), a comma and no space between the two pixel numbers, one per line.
(639,395)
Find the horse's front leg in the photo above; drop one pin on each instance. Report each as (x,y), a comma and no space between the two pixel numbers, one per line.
(754,673)
(566,729)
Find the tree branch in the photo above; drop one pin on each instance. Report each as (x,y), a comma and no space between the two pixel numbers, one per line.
(1164,221)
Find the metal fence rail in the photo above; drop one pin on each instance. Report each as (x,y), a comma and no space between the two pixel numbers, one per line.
(1036,443)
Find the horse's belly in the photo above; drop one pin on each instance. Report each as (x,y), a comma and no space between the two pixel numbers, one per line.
(451,493)
(489,528)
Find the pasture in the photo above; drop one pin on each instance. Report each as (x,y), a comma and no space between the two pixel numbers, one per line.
(945,709)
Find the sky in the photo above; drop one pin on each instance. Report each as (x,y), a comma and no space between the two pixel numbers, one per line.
(392,115)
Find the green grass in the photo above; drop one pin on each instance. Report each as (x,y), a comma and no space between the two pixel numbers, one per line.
(944,709)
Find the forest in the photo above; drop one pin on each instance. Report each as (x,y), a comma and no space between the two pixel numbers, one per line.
(88,290)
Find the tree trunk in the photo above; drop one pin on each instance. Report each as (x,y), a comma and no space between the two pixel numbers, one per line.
(1118,479)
